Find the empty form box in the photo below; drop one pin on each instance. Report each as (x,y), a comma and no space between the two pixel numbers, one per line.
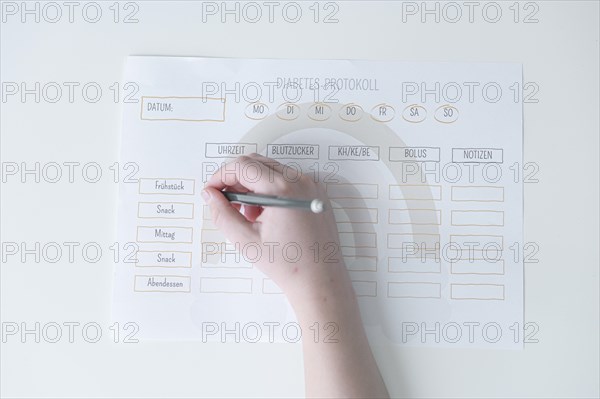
(477,193)
(415,290)
(477,291)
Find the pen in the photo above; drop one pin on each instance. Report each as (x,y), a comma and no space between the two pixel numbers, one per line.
(315,205)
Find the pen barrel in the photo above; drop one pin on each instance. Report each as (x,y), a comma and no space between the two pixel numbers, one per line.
(267,200)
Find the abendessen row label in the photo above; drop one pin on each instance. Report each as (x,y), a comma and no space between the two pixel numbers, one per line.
(162,283)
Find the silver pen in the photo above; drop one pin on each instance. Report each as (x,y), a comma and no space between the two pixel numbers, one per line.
(315,205)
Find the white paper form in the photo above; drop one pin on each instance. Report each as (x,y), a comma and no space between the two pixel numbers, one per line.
(421,161)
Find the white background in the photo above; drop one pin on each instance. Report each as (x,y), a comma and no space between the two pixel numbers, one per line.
(559,54)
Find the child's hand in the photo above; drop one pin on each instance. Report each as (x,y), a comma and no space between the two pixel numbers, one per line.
(298,249)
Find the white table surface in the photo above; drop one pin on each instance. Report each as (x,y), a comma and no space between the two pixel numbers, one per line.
(559,54)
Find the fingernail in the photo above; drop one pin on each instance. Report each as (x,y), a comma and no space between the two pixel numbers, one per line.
(205,195)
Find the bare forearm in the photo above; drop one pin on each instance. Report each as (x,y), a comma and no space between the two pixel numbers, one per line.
(338,361)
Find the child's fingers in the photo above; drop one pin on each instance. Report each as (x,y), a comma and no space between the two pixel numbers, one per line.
(228,219)
(251,212)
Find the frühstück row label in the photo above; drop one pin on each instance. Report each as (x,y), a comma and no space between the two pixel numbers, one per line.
(166,186)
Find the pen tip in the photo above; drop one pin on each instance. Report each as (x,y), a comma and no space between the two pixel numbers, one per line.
(317,206)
